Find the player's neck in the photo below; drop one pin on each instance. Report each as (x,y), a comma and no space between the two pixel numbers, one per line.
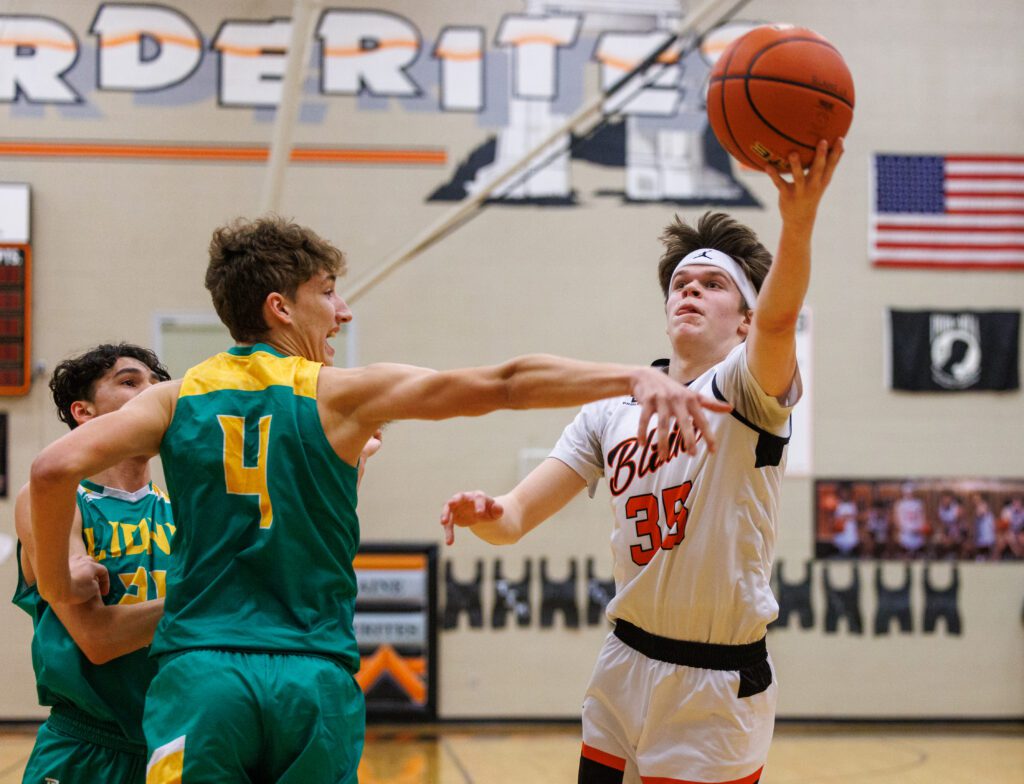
(129,475)
(686,366)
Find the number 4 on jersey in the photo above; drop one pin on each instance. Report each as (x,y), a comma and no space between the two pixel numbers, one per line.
(644,511)
(239,478)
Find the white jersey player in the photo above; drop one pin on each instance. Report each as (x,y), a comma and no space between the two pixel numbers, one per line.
(910,521)
(846,523)
(683,690)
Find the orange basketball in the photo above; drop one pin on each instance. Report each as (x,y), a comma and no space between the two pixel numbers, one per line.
(777,89)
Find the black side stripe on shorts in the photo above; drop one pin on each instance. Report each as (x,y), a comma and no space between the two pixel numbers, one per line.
(769,446)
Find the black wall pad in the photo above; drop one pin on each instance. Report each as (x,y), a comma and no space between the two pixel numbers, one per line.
(942,603)
(599,593)
(511,597)
(842,603)
(794,598)
(462,597)
(893,603)
(558,596)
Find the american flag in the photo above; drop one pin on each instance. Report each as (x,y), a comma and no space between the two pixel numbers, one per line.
(948,211)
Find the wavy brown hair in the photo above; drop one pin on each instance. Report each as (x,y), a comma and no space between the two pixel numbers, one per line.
(251,259)
(718,231)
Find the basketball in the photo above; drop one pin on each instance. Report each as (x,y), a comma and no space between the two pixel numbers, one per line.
(777,89)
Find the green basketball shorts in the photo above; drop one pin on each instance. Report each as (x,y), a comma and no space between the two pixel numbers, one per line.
(217,717)
(71,748)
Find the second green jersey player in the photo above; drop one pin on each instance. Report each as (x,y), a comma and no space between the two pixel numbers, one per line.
(91,661)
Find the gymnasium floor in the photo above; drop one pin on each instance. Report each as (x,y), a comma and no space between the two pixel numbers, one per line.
(547,754)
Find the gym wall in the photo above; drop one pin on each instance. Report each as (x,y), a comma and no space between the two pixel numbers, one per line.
(119,242)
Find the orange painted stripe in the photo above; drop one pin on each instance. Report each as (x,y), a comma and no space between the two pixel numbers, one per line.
(250,51)
(538,39)
(164,38)
(355,51)
(449,54)
(751,779)
(629,65)
(41,43)
(255,154)
(602,757)
(105,41)
(389,561)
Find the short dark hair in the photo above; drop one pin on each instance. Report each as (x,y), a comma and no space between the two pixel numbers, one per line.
(75,378)
(249,260)
(718,231)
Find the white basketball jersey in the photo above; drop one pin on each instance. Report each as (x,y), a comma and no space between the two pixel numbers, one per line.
(694,537)
(846,536)
(910,522)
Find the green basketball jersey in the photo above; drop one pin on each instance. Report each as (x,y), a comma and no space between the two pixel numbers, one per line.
(130,534)
(266,513)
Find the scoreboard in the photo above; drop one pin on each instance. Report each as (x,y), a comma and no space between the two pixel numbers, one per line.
(15,319)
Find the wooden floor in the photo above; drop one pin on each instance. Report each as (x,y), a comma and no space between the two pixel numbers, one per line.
(547,754)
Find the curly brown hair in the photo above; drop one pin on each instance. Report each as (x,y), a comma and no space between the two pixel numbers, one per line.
(75,379)
(718,231)
(251,259)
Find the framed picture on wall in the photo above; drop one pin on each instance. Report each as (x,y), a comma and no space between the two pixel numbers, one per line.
(908,518)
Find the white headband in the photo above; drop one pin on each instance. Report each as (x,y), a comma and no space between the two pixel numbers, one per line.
(715,258)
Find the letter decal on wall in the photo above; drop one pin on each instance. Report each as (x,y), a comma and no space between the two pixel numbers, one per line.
(367,52)
(535,41)
(143,48)
(252,61)
(657,89)
(35,53)
(461,51)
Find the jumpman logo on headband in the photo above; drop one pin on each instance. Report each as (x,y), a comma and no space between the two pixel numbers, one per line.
(703,255)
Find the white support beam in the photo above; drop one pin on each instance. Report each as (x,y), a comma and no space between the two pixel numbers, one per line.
(303,18)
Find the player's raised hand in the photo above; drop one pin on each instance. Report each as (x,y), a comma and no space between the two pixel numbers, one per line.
(799,198)
(676,405)
(467,509)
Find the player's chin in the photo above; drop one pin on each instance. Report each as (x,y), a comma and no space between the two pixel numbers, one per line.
(328,354)
(686,325)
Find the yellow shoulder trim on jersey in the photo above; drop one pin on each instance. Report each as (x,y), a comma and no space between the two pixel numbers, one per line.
(251,373)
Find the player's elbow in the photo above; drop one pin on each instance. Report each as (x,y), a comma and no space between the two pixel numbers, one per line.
(93,642)
(51,468)
(500,537)
(519,381)
(98,654)
(778,322)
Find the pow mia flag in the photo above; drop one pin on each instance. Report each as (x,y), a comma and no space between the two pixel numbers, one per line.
(950,351)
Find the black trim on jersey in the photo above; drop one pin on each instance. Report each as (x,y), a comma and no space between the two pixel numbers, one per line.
(769,446)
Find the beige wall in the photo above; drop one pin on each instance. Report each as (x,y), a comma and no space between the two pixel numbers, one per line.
(115,242)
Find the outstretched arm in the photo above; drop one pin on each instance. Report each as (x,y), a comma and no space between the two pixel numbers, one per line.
(135,430)
(102,632)
(360,401)
(771,343)
(507,518)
